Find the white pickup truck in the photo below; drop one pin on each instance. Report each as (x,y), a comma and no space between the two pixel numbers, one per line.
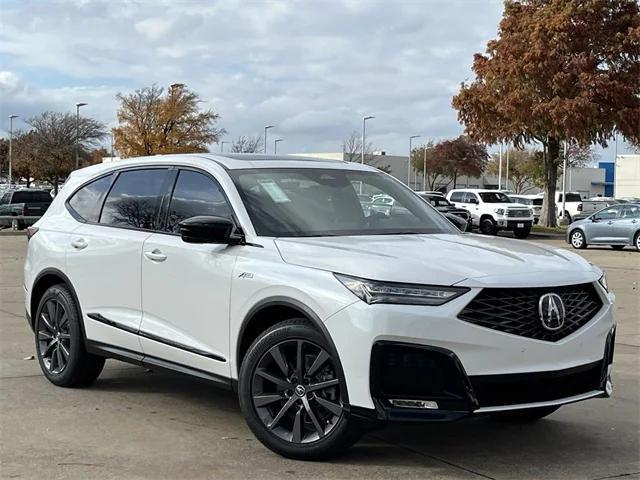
(492,210)
(575,205)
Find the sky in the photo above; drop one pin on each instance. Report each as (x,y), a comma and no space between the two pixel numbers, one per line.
(311,68)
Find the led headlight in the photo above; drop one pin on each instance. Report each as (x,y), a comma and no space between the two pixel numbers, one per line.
(499,211)
(373,291)
(603,281)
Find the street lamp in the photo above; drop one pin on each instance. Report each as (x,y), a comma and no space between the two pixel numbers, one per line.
(265,136)
(78,105)
(364,135)
(222,145)
(11,117)
(409,164)
(275,145)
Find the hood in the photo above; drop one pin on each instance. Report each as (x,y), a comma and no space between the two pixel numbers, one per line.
(442,259)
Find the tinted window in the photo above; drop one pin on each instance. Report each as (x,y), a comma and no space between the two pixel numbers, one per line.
(195,194)
(31,196)
(5,198)
(494,197)
(135,198)
(609,213)
(571,197)
(457,196)
(87,201)
(470,197)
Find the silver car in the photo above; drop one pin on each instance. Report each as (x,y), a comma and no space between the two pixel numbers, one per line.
(617,225)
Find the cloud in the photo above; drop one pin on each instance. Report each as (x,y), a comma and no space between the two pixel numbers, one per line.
(310,68)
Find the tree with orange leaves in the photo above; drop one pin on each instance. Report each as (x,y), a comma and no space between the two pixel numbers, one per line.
(559,71)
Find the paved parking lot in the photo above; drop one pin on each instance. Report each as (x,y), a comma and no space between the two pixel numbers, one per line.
(138,424)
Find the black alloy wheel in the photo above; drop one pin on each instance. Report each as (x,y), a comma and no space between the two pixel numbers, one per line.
(59,340)
(54,338)
(488,226)
(292,394)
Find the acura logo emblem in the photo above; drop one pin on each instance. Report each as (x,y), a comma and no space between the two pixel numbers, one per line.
(551,311)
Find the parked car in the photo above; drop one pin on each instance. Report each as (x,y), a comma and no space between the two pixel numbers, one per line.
(618,226)
(534,202)
(266,277)
(23,207)
(440,203)
(574,205)
(492,211)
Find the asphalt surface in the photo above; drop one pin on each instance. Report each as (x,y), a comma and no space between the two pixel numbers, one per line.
(136,424)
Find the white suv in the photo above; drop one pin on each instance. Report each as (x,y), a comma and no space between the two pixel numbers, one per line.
(492,210)
(267,276)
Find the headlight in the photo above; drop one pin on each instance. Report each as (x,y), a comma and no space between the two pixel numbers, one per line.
(373,291)
(603,281)
(499,211)
(530,211)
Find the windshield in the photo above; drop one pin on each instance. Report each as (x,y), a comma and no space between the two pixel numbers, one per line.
(523,200)
(313,202)
(494,197)
(436,200)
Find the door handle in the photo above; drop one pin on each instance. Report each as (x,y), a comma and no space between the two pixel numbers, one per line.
(79,244)
(155,255)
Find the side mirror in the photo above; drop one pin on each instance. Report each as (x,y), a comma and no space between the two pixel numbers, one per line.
(206,229)
(459,222)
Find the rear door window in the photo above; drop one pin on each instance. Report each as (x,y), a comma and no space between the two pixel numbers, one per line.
(135,199)
(457,196)
(195,194)
(31,197)
(87,201)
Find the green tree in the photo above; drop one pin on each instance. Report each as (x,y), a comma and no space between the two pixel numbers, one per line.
(151,123)
(560,70)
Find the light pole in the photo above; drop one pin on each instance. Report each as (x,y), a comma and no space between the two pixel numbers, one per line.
(11,117)
(500,169)
(409,164)
(222,146)
(275,145)
(564,182)
(78,105)
(267,127)
(424,169)
(364,136)
(506,177)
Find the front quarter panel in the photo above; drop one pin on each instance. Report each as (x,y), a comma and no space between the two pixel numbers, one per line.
(260,274)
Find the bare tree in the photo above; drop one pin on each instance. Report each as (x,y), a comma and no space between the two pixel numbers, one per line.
(352,151)
(246,144)
(53,143)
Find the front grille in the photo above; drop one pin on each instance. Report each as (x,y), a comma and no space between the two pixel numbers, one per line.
(515,310)
(518,212)
(513,389)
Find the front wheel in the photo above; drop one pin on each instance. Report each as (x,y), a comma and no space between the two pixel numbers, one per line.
(488,226)
(524,415)
(522,232)
(291,394)
(60,343)
(578,240)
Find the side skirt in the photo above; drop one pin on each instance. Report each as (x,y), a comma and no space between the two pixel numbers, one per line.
(137,358)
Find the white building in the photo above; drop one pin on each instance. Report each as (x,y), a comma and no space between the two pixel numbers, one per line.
(627,176)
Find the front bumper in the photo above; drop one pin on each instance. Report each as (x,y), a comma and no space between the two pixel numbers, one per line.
(483,356)
(512,224)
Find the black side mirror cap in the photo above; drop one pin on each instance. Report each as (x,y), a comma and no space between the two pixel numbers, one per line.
(210,229)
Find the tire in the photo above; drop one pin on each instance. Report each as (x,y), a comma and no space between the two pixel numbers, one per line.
(636,241)
(617,247)
(60,342)
(488,226)
(522,232)
(525,415)
(287,404)
(15,224)
(577,239)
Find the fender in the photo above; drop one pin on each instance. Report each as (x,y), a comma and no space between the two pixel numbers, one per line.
(283,301)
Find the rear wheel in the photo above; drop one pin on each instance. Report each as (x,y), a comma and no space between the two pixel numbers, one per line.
(522,232)
(292,396)
(577,239)
(524,415)
(488,226)
(636,241)
(60,343)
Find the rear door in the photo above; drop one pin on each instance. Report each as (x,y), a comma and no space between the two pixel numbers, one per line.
(104,254)
(186,287)
(628,224)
